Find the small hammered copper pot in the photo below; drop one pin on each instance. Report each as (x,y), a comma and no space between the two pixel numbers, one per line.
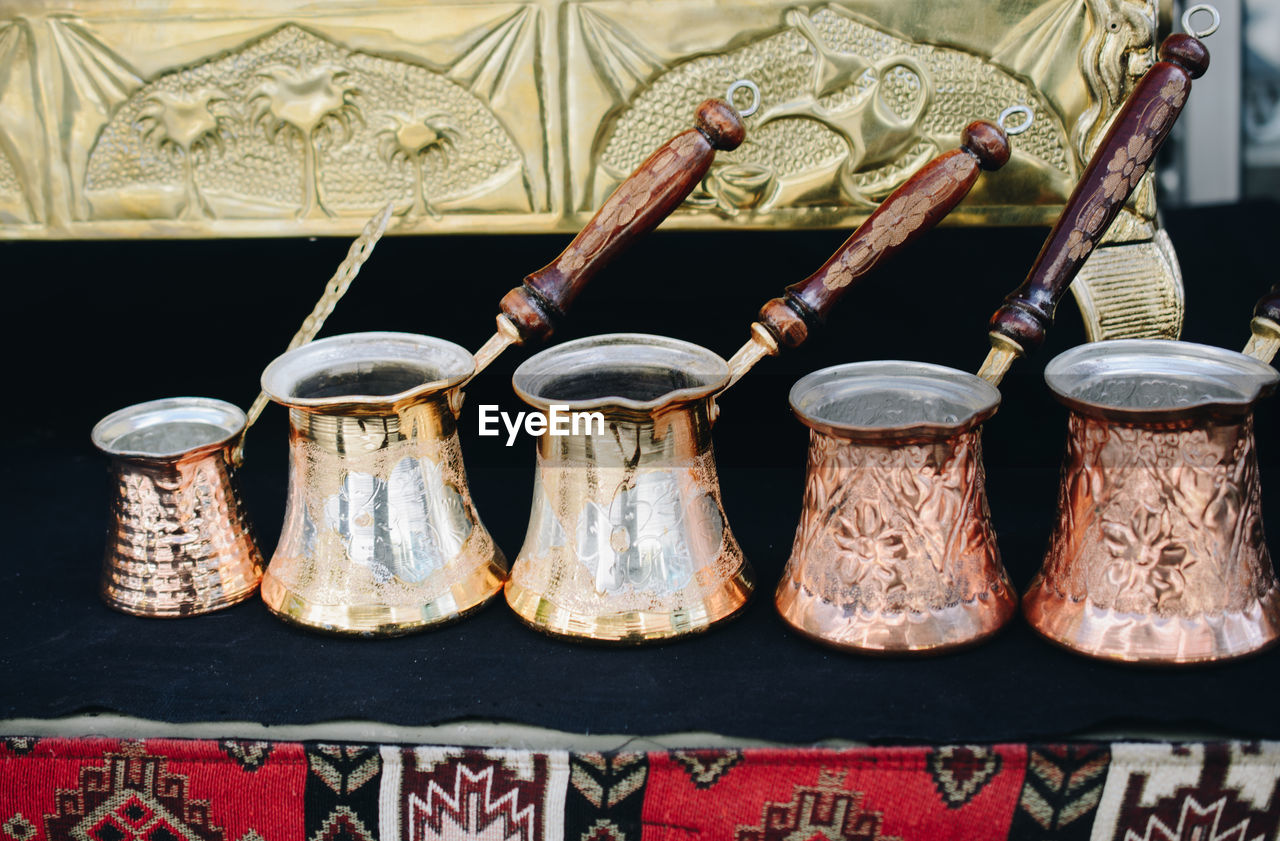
(895,550)
(179,542)
(1159,554)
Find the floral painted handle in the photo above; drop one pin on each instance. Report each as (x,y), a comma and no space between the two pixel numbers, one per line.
(1141,126)
(642,201)
(909,212)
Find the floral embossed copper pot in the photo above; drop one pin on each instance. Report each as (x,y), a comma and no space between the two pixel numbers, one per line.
(1159,554)
(380,536)
(628,540)
(895,551)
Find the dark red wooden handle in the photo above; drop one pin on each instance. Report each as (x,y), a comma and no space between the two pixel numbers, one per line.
(1109,179)
(909,212)
(647,197)
(1269,305)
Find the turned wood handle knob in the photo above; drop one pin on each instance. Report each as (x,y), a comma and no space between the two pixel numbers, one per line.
(1109,179)
(1269,305)
(647,197)
(909,212)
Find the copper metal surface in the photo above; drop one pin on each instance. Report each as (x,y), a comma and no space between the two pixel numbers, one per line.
(1159,554)
(183,499)
(179,543)
(628,539)
(380,534)
(895,552)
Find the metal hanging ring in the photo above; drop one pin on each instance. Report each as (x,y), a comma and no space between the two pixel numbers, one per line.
(1024,110)
(1213,25)
(755,96)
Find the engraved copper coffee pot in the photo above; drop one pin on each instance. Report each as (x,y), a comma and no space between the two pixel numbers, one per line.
(1159,554)
(380,535)
(628,539)
(895,551)
(180,542)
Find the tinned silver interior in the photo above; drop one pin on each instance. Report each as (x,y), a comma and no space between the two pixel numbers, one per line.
(892,397)
(168,428)
(1149,375)
(374,366)
(630,370)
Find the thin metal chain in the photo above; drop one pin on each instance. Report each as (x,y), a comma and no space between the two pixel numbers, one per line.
(333,292)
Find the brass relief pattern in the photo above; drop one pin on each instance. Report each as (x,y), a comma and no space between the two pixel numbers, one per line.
(16,123)
(293,117)
(295,126)
(1161,521)
(848,112)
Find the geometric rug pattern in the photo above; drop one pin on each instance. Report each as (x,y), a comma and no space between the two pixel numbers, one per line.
(95,789)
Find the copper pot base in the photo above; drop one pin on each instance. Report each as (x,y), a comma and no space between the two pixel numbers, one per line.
(880,632)
(1083,627)
(135,604)
(634,626)
(385,620)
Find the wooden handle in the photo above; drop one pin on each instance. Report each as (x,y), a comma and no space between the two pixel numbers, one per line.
(909,212)
(641,202)
(1269,305)
(1110,178)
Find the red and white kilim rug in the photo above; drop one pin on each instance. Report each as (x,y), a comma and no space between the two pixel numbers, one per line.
(192,790)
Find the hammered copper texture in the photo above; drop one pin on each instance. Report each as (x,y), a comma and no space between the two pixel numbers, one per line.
(1159,553)
(180,542)
(895,550)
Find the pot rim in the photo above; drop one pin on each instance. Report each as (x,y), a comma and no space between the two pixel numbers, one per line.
(208,410)
(983,398)
(1252,379)
(586,353)
(284,373)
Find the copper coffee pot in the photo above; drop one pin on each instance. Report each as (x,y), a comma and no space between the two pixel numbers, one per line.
(180,542)
(895,551)
(628,539)
(380,535)
(1159,554)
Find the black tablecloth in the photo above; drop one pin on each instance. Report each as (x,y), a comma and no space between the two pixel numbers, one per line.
(95,326)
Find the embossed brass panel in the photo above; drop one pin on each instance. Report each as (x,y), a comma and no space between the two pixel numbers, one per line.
(207,118)
(218,117)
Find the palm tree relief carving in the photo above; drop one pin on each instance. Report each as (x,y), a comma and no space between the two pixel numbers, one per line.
(419,140)
(312,103)
(187,124)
